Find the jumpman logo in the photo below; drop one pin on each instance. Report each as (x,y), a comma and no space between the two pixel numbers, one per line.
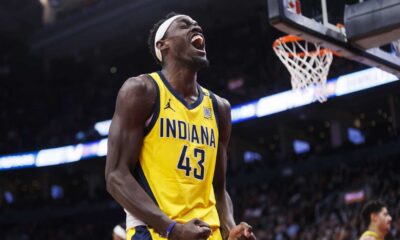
(168,105)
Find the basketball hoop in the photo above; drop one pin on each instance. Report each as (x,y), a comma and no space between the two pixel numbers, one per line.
(308,63)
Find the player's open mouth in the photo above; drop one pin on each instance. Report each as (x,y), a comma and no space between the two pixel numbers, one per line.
(197,41)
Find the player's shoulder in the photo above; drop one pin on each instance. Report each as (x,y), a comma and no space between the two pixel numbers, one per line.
(141,84)
(224,112)
(138,86)
(367,238)
(137,90)
(223,104)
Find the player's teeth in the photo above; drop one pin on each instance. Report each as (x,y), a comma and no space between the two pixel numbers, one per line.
(196,37)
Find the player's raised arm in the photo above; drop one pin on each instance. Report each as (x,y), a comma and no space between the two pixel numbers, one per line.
(133,107)
(229,229)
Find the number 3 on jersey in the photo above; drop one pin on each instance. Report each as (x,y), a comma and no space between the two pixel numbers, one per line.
(184,162)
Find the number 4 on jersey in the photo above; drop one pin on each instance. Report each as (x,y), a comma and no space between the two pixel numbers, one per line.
(184,162)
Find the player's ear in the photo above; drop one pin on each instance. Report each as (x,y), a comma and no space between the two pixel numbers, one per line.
(162,45)
(374,217)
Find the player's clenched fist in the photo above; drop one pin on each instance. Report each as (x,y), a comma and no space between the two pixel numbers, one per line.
(241,232)
(194,229)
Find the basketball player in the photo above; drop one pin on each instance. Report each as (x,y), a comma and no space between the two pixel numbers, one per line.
(167,159)
(375,215)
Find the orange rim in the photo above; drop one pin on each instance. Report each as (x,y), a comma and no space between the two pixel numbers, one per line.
(286,39)
(292,38)
(321,52)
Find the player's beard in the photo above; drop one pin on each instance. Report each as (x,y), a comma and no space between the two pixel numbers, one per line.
(199,62)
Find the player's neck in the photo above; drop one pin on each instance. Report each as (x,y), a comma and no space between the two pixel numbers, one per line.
(376,230)
(183,80)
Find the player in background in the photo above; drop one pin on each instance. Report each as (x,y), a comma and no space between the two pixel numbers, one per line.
(376,217)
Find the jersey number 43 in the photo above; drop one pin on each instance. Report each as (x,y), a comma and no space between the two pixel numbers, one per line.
(184,163)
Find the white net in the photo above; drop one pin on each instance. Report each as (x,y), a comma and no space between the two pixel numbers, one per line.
(308,64)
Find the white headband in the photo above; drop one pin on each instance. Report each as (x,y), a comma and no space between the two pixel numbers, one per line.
(120,232)
(161,32)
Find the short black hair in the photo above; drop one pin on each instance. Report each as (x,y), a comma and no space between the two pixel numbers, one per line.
(152,35)
(373,206)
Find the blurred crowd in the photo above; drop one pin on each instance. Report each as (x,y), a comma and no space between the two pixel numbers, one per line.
(313,206)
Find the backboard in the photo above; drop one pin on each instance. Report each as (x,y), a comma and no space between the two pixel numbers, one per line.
(367,26)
